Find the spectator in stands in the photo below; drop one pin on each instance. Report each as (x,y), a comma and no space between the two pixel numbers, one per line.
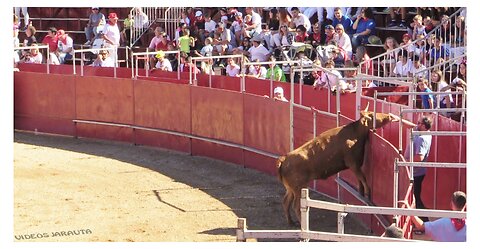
(438,51)
(420,48)
(232,69)
(403,65)
(299,19)
(30,36)
(394,12)
(330,79)
(362,58)
(278,94)
(159,36)
(446,229)
(393,231)
(428,101)
(391,57)
(283,38)
(51,39)
(273,25)
(185,42)
(343,40)
(111,34)
(26,16)
(301,34)
(184,18)
(258,51)
(284,18)
(244,46)
(459,30)
(16,43)
(198,31)
(162,64)
(103,59)
(364,26)
(95,24)
(209,26)
(329,34)
(421,149)
(186,64)
(163,43)
(275,72)
(315,37)
(438,84)
(340,18)
(127,29)
(224,17)
(207,50)
(65,47)
(222,39)
(446,30)
(257,71)
(256,27)
(33,56)
(140,19)
(407,41)
(352,84)
(418,69)
(418,27)
(238,27)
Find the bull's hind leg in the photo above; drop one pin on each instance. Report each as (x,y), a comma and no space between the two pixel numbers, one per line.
(287,203)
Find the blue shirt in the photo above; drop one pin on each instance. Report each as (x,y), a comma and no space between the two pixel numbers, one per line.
(364,24)
(443,52)
(421,146)
(443,230)
(425,98)
(346,22)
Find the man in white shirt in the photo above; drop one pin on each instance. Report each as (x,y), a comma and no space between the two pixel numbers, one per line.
(103,60)
(65,47)
(111,34)
(417,67)
(403,65)
(256,27)
(162,64)
(258,51)
(209,26)
(300,19)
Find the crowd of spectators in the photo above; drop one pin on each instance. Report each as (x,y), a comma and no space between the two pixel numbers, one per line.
(323,37)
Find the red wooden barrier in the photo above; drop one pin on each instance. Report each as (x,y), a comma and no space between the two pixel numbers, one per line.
(45,103)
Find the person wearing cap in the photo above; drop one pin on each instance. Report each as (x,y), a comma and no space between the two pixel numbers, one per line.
(258,51)
(111,34)
(96,21)
(163,64)
(199,27)
(278,94)
(65,46)
(407,41)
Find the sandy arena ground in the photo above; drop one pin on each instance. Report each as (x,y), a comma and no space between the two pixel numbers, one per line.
(77,190)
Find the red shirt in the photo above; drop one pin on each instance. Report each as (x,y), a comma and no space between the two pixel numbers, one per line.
(161,46)
(51,42)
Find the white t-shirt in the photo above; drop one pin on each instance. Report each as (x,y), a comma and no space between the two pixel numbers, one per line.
(210,26)
(403,69)
(112,32)
(232,71)
(165,63)
(328,80)
(257,19)
(207,50)
(414,70)
(302,19)
(259,52)
(262,70)
(62,47)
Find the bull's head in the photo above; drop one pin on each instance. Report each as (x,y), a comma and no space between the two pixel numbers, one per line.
(381,119)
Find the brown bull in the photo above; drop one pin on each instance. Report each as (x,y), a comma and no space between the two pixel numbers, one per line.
(329,153)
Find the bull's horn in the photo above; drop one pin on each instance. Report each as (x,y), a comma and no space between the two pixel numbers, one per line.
(366,108)
(394,117)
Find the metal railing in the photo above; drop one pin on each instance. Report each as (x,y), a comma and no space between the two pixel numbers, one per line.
(37,47)
(134,56)
(82,51)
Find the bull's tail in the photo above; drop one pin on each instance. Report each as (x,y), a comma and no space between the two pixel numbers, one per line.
(279,168)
